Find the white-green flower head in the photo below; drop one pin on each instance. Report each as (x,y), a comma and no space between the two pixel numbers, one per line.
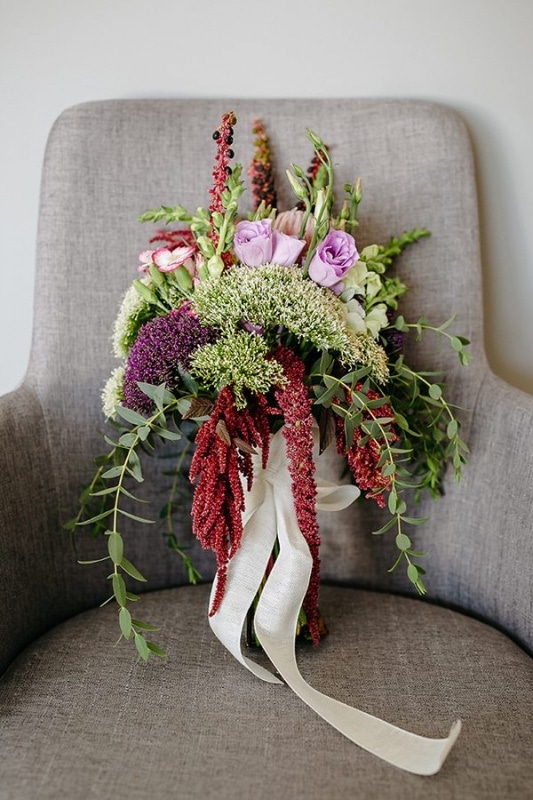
(237,359)
(112,393)
(126,324)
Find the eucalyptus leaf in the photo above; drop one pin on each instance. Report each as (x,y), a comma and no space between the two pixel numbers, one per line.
(142,647)
(154,648)
(119,589)
(130,416)
(128,567)
(124,618)
(115,547)
(403,542)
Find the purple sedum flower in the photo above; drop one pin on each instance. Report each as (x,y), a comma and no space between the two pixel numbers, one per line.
(256,243)
(163,345)
(334,256)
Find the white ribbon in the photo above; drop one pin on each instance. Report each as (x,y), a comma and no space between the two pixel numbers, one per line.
(270,513)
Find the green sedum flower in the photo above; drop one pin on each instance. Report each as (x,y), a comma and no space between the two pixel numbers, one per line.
(271,296)
(238,359)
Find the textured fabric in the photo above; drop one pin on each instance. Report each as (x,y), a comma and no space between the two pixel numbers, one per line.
(81,719)
(107,162)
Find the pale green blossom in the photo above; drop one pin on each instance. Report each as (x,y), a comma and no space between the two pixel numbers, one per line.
(112,393)
(376,319)
(237,359)
(361,322)
(373,284)
(132,312)
(356,278)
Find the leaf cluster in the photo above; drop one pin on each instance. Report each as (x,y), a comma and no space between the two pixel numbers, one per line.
(416,442)
(121,467)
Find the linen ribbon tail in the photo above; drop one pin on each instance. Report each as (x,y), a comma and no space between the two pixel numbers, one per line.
(270,512)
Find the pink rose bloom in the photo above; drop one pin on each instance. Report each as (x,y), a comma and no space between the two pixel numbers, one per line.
(255,244)
(334,256)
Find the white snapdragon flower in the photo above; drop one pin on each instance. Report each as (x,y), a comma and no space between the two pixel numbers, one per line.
(358,321)
(356,278)
(373,284)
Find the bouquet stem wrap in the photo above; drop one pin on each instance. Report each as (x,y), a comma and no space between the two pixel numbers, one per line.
(269,513)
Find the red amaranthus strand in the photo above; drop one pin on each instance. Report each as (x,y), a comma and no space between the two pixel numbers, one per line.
(174,238)
(363,461)
(218,464)
(296,405)
(260,171)
(224,139)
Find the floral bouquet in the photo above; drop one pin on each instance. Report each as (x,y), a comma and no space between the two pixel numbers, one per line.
(269,332)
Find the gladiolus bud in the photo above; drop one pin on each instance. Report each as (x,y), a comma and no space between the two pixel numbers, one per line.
(296,186)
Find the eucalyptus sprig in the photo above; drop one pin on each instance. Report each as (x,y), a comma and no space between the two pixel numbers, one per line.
(136,433)
(459,343)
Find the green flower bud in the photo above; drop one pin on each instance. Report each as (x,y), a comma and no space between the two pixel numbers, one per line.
(296,186)
(315,140)
(206,246)
(215,266)
(203,273)
(145,292)
(183,279)
(298,171)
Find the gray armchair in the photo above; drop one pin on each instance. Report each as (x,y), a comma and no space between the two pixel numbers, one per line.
(83,719)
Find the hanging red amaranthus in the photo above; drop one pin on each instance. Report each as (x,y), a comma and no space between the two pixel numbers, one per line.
(224,445)
(295,404)
(363,460)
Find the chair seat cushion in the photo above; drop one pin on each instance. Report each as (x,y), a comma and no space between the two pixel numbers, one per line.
(82,719)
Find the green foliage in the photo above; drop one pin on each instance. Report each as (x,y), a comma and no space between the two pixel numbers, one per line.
(135,435)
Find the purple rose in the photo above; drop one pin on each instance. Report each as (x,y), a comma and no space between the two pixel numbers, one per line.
(255,244)
(334,256)
(286,249)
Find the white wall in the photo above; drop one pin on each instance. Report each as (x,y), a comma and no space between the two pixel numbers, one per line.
(474,55)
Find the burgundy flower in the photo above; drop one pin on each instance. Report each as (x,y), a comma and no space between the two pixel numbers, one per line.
(164,344)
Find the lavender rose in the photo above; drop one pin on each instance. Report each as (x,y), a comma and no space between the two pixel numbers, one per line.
(334,256)
(286,249)
(255,244)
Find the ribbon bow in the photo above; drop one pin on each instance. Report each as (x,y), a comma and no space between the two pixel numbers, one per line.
(269,513)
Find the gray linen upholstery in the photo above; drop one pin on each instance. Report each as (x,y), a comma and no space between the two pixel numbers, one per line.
(105,164)
(198,727)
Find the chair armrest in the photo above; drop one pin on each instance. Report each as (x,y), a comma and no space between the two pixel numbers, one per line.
(28,503)
(497,517)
